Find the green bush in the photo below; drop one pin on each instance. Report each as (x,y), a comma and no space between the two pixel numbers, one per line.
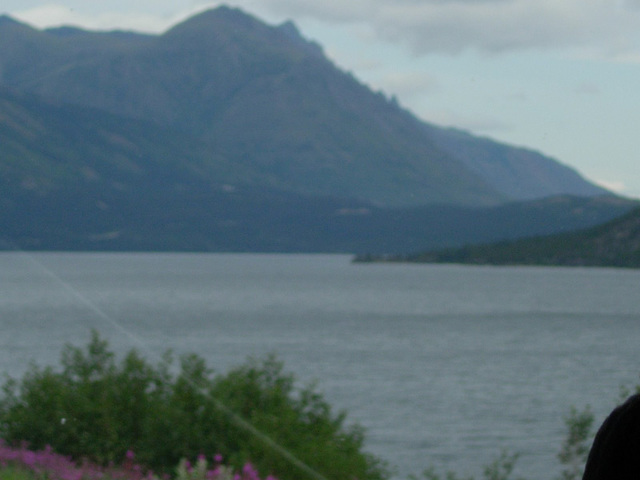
(99,408)
(575,449)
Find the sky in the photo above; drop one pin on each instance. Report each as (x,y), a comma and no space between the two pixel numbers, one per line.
(558,76)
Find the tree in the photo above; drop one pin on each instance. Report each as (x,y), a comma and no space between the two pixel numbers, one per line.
(98,408)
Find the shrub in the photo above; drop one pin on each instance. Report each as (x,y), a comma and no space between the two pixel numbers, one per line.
(575,449)
(24,464)
(99,408)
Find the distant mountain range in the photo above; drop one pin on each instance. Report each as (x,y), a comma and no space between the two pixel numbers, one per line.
(614,244)
(225,133)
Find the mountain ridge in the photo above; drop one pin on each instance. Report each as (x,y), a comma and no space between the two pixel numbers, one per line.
(227,134)
(615,243)
(268,99)
(496,163)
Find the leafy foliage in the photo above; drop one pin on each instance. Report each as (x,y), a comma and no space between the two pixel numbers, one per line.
(575,449)
(26,464)
(99,408)
(500,469)
(572,456)
(22,463)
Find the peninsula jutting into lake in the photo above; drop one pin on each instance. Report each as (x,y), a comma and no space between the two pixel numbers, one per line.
(614,244)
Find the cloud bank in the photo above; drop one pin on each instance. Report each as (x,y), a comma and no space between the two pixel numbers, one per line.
(609,27)
(452,26)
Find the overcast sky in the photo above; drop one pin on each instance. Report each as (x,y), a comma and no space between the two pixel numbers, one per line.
(558,76)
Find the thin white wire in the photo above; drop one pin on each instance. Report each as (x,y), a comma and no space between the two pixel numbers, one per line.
(237,419)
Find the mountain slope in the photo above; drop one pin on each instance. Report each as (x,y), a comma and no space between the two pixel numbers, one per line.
(614,244)
(226,134)
(74,178)
(52,147)
(517,172)
(270,102)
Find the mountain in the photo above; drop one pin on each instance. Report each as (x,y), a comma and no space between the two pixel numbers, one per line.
(76,178)
(252,105)
(518,173)
(227,134)
(51,146)
(614,244)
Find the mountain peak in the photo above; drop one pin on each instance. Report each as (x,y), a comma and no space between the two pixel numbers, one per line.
(12,29)
(290,30)
(226,25)
(217,16)
(265,97)
(232,14)
(7,21)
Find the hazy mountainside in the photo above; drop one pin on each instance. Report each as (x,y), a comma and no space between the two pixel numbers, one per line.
(517,172)
(49,146)
(74,178)
(226,134)
(253,220)
(614,244)
(267,102)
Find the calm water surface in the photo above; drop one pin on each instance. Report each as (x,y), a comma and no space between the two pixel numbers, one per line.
(443,365)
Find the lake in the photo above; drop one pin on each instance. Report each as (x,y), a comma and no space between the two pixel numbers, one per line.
(444,365)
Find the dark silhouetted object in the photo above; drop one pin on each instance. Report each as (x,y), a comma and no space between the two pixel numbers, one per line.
(615,453)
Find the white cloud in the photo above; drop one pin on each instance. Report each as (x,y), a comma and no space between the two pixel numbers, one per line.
(452,26)
(107,18)
(611,27)
(476,124)
(613,186)
(410,83)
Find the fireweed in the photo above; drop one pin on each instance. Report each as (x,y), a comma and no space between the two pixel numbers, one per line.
(105,407)
(52,466)
(203,471)
(96,407)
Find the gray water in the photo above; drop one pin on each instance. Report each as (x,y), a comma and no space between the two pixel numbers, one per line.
(444,366)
